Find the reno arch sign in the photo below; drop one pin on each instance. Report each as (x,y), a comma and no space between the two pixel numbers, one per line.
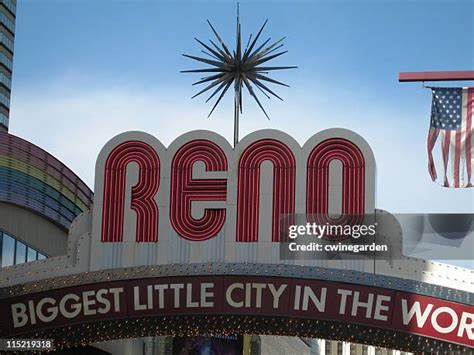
(190,234)
(150,201)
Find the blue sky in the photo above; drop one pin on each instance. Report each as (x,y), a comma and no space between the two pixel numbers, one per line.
(352,42)
(86,70)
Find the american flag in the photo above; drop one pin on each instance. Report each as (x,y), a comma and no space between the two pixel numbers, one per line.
(452,124)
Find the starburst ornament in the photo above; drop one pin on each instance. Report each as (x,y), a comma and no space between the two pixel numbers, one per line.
(239,68)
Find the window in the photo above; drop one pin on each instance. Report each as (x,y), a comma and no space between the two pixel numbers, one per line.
(5,80)
(32,254)
(8,250)
(20,255)
(14,251)
(339,348)
(3,119)
(7,42)
(6,62)
(5,101)
(354,348)
(4,20)
(9,5)
(333,347)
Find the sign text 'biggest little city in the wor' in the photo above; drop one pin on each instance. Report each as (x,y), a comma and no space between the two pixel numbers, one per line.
(247,295)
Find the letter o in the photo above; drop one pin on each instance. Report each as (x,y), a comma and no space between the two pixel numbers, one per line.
(434,320)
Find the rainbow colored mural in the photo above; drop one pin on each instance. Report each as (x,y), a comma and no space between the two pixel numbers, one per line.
(32,178)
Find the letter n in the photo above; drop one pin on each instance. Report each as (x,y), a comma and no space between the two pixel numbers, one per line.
(248,188)
(353,181)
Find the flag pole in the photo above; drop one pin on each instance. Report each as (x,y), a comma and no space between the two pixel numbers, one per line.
(236,112)
(436,76)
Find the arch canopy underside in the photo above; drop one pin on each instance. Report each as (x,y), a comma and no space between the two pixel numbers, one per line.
(88,333)
(230,299)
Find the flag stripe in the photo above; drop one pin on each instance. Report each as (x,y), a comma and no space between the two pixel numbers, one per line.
(432,138)
(469,135)
(457,156)
(445,150)
(462,157)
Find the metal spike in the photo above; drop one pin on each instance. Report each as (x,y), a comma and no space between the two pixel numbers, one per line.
(217,54)
(259,69)
(220,98)
(208,78)
(258,49)
(266,59)
(266,78)
(209,54)
(228,58)
(248,42)
(269,48)
(246,54)
(261,90)
(208,61)
(240,95)
(209,70)
(219,39)
(238,38)
(238,45)
(252,93)
(257,56)
(210,86)
(259,84)
(218,89)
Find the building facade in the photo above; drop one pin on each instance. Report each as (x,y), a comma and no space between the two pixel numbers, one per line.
(7,40)
(39,198)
